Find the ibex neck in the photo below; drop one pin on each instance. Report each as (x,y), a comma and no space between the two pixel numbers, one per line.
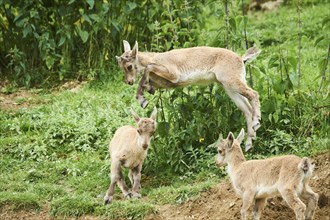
(145,58)
(236,159)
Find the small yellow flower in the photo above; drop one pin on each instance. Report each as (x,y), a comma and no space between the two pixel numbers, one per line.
(201,139)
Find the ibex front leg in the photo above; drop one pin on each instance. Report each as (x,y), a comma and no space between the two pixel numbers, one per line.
(136,175)
(144,83)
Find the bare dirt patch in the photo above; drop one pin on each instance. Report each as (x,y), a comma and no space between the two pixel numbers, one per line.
(221,203)
(23,98)
(6,212)
(17,100)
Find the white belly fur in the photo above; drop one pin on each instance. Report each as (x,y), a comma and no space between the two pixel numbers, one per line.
(197,77)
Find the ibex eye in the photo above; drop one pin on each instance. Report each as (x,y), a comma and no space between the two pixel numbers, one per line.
(220,151)
(129,67)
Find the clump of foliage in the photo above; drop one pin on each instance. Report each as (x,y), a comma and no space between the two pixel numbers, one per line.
(78,39)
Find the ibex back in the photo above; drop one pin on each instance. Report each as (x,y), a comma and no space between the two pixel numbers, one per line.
(195,66)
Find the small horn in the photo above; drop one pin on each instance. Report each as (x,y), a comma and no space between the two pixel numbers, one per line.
(124,59)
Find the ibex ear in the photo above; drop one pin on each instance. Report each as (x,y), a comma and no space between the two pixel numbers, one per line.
(153,115)
(136,117)
(230,140)
(220,138)
(135,49)
(241,136)
(127,47)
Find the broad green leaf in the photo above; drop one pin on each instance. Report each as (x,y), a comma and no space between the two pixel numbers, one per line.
(318,40)
(34,14)
(95,17)
(86,18)
(49,62)
(91,3)
(131,5)
(276,117)
(17,17)
(26,31)
(273,61)
(116,25)
(163,129)
(62,40)
(269,106)
(83,35)
(293,62)
(232,23)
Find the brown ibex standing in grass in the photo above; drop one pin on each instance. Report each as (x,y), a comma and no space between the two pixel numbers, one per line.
(195,66)
(256,180)
(128,148)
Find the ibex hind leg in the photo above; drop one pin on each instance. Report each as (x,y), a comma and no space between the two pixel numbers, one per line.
(253,98)
(258,208)
(242,103)
(312,200)
(115,176)
(291,197)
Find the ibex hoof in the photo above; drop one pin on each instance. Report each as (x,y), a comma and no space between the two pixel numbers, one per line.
(256,126)
(144,103)
(152,91)
(128,195)
(248,147)
(136,195)
(107,200)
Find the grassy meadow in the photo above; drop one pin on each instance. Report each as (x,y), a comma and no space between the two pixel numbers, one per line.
(54,143)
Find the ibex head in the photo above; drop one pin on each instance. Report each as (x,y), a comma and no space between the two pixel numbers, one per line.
(225,147)
(128,62)
(145,127)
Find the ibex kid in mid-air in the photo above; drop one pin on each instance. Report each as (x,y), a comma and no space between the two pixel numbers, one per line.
(195,66)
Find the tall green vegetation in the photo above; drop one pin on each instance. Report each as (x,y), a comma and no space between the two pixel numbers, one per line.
(43,40)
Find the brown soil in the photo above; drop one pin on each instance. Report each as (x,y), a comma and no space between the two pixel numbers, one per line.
(220,203)
(17,100)
(25,98)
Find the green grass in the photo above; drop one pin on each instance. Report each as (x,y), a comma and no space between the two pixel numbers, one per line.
(129,209)
(20,201)
(179,193)
(56,151)
(72,205)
